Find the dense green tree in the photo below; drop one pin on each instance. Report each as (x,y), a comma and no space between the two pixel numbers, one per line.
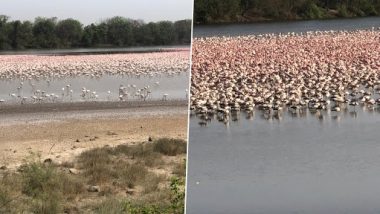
(88,36)
(44,32)
(115,32)
(214,11)
(69,32)
(101,34)
(120,31)
(144,34)
(166,34)
(4,30)
(183,30)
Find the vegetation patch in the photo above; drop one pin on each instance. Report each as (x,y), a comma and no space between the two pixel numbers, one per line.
(128,171)
(48,33)
(220,11)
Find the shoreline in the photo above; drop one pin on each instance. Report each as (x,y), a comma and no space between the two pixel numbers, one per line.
(6,109)
(96,51)
(263,20)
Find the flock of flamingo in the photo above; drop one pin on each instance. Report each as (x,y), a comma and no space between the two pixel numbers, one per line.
(329,71)
(26,69)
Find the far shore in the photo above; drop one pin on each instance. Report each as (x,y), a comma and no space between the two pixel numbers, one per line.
(97,50)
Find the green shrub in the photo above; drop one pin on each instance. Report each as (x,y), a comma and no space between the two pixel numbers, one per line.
(48,188)
(311,11)
(39,178)
(177,196)
(342,11)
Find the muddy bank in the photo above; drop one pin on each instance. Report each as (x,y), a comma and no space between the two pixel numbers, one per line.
(80,106)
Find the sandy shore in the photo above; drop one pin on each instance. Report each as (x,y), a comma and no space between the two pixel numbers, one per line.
(61,132)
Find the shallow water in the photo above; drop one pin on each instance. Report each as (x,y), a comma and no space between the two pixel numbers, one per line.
(284,27)
(174,86)
(294,165)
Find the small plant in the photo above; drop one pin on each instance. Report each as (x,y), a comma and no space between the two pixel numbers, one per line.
(42,184)
(38,178)
(48,188)
(177,196)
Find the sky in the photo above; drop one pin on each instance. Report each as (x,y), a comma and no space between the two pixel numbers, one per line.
(93,11)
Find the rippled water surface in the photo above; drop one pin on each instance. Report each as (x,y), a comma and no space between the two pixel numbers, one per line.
(294,165)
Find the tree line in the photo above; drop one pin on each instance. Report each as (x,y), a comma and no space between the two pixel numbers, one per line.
(46,33)
(217,11)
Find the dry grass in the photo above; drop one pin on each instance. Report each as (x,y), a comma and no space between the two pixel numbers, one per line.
(179,169)
(96,163)
(170,147)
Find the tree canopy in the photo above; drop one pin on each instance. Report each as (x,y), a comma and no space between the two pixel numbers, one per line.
(217,11)
(45,33)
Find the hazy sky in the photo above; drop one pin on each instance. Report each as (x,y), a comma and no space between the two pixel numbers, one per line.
(90,11)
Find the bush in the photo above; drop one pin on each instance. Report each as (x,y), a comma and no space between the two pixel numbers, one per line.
(95,163)
(143,153)
(342,11)
(38,178)
(368,9)
(170,147)
(130,174)
(47,187)
(311,11)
